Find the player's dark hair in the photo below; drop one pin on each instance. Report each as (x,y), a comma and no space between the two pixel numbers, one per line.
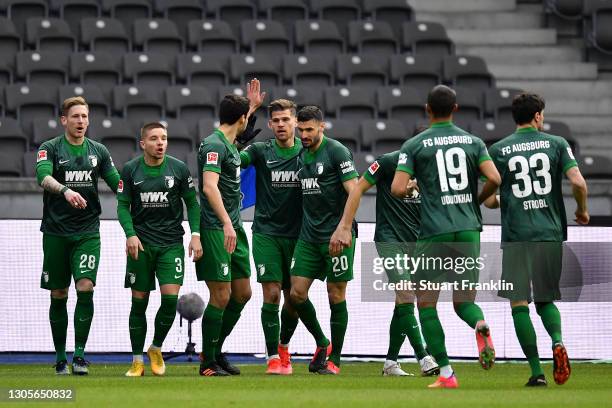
(151,125)
(441,100)
(524,107)
(73,101)
(310,112)
(281,105)
(232,108)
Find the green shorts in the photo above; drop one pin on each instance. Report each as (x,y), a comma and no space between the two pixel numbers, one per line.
(451,257)
(272,257)
(532,267)
(65,257)
(167,263)
(313,261)
(217,264)
(392,250)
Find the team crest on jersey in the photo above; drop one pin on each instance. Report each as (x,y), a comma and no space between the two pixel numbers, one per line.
(42,155)
(93,160)
(169,181)
(120,186)
(373,167)
(212,158)
(319,168)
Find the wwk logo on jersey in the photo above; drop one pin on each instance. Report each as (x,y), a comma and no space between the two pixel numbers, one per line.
(42,155)
(373,167)
(93,160)
(78,178)
(169,181)
(212,158)
(310,186)
(285,178)
(154,199)
(120,186)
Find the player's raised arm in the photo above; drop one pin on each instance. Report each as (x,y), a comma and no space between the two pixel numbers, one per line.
(579,190)
(342,236)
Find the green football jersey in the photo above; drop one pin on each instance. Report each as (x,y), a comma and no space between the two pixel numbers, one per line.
(278,207)
(321,175)
(397,219)
(218,155)
(445,159)
(78,168)
(532,165)
(155,194)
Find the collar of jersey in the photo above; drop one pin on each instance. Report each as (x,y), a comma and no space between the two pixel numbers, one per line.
(75,149)
(153,170)
(221,136)
(287,152)
(442,124)
(312,155)
(529,129)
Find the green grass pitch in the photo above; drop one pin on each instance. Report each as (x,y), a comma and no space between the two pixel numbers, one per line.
(358,385)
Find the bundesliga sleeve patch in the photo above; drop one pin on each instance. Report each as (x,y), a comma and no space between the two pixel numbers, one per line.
(212,158)
(120,186)
(373,167)
(42,155)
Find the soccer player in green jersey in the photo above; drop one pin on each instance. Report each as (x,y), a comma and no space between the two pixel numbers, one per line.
(150,211)
(276,226)
(225,266)
(447,162)
(327,175)
(68,168)
(397,228)
(534,226)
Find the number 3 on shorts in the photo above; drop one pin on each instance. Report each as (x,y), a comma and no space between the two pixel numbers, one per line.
(88,263)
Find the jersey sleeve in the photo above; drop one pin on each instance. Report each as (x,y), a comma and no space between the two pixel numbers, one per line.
(374,172)
(567,156)
(343,163)
(483,154)
(106,161)
(187,185)
(405,161)
(212,155)
(124,188)
(248,156)
(44,161)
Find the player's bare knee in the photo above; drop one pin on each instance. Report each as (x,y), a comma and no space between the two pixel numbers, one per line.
(271,292)
(298,296)
(84,285)
(219,297)
(59,293)
(403,297)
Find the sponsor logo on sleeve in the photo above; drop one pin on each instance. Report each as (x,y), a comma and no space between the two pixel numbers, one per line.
(403,158)
(190,182)
(42,155)
(373,168)
(212,158)
(120,186)
(570,153)
(347,167)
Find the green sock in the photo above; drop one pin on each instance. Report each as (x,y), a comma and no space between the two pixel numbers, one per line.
(308,315)
(289,323)
(551,318)
(211,330)
(138,324)
(470,313)
(58,317)
(164,318)
(231,315)
(83,313)
(527,338)
(271,327)
(338,322)
(433,334)
(404,323)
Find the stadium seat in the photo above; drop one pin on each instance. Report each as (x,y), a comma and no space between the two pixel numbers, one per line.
(96,68)
(12,139)
(158,35)
(7,67)
(394,12)
(243,68)
(383,135)
(50,34)
(362,70)
(190,104)
(594,166)
(180,140)
(492,131)
(29,101)
(422,72)
(420,37)
(308,70)
(470,103)
(341,12)
(73,11)
(97,101)
(180,12)
(139,103)
(351,103)
(128,11)
(105,35)
(118,137)
(42,67)
(29,164)
(363,160)
(558,128)
(18,11)
(10,41)
(567,9)
(467,71)
(205,70)
(498,102)
(372,37)
(318,37)
(233,12)
(345,131)
(402,103)
(205,128)
(286,12)
(44,129)
(598,32)
(11,165)
(264,37)
(212,36)
(301,95)
(153,69)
